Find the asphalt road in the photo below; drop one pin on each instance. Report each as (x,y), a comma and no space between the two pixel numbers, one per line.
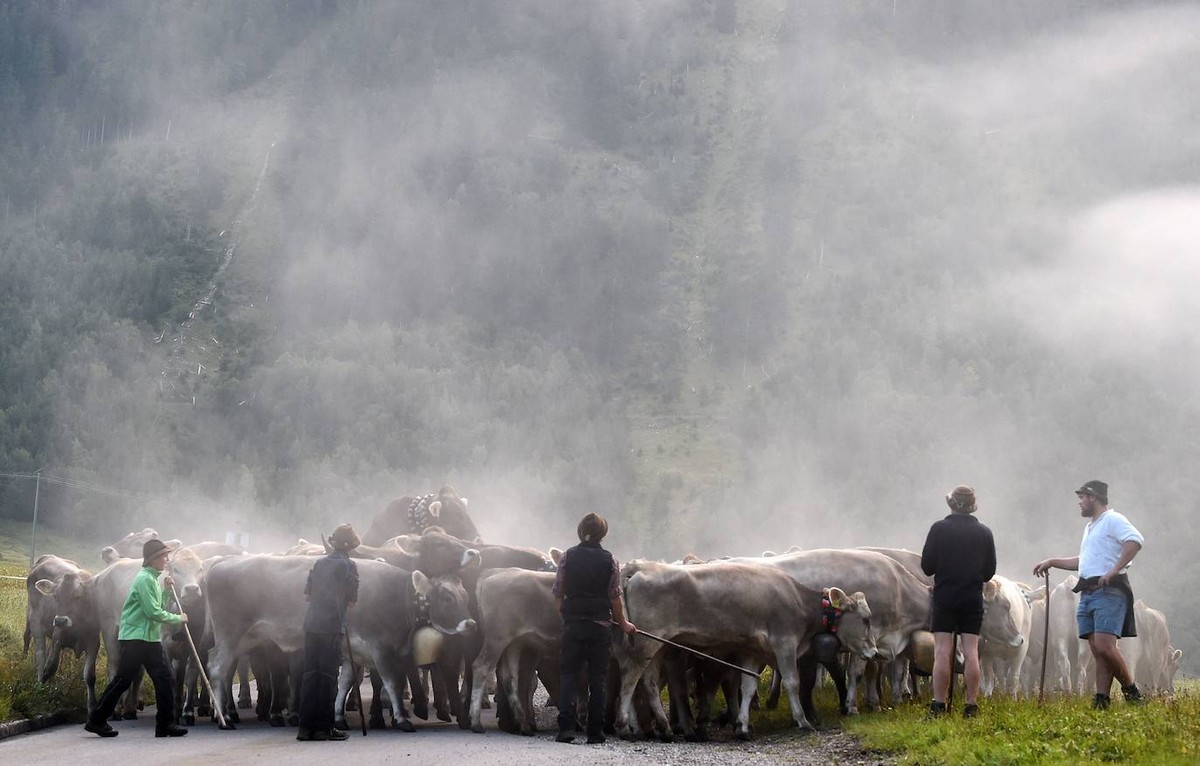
(433,743)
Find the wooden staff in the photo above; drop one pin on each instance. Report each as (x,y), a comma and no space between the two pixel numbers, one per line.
(1045,641)
(696,652)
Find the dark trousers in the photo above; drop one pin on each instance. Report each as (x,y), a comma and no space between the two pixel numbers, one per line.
(136,655)
(318,685)
(584,642)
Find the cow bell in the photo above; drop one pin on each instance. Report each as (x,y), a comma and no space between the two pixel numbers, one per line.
(426,645)
(826,647)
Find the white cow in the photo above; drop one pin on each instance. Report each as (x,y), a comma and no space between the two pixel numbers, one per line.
(1004,636)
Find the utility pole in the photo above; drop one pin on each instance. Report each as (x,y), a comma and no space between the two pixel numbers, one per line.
(37,488)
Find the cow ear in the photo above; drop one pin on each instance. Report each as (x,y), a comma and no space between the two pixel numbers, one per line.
(991,589)
(174,543)
(435,508)
(421,582)
(1037,594)
(46,587)
(837,597)
(109,555)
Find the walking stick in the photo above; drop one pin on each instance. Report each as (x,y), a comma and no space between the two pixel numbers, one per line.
(196,656)
(953,657)
(362,711)
(1045,641)
(708,657)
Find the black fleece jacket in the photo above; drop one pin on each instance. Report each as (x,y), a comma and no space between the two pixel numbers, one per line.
(960,556)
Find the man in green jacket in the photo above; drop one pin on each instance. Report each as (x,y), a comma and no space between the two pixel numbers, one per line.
(140,637)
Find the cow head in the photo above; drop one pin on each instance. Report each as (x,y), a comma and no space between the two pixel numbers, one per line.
(999,622)
(441,554)
(449,512)
(128,547)
(854,623)
(442,603)
(186,569)
(75,607)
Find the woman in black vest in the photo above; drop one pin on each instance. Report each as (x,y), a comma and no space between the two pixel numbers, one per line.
(588,589)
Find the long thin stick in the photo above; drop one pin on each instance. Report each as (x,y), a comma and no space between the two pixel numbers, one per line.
(200,665)
(708,657)
(1045,642)
(362,711)
(953,657)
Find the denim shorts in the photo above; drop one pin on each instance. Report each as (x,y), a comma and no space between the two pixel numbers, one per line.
(1101,611)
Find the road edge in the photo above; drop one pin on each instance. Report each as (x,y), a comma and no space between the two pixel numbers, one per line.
(26,725)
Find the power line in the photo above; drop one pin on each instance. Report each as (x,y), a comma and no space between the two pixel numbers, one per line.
(83,485)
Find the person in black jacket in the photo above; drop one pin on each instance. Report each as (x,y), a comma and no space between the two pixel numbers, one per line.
(588,590)
(960,556)
(332,587)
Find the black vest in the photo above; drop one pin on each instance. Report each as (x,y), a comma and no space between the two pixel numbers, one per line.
(586,577)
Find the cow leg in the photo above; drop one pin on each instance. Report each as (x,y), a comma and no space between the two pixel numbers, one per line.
(243,673)
(748,687)
(441,694)
(89,675)
(775,689)
(219,673)
(785,660)
(481,669)
(348,679)
(508,675)
(375,717)
(677,689)
(392,680)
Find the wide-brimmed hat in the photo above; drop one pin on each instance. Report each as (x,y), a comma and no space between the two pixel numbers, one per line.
(1096,489)
(592,528)
(152,548)
(344,538)
(961,499)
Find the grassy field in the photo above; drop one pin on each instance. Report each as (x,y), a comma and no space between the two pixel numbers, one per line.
(21,696)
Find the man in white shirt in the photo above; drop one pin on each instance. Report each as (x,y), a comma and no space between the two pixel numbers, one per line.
(1105,610)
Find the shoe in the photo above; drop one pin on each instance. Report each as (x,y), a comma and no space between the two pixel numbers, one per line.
(1100,702)
(313,735)
(337,735)
(170,730)
(102,729)
(970,711)
(565,736)
(596,739)
(1133,695)
(936,709)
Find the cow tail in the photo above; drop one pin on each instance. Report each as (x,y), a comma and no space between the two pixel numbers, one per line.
(28,636)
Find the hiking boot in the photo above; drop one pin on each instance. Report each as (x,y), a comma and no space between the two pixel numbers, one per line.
(1100,702)
(102,729)
(170,730)
(312,735)
(970,710)
(565,736)
(337,735)
(1133,695)
(936,709)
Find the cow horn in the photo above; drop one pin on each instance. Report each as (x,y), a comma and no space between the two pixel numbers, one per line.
(435,508)
(328,547)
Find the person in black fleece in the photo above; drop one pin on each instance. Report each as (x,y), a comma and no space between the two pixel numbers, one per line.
(960,556)
(588,591)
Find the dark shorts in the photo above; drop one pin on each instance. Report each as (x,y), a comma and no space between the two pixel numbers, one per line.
(960,620)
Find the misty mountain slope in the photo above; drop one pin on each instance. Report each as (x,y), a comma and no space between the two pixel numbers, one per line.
(736,274)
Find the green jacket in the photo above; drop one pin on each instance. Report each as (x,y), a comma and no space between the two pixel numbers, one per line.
(145,609)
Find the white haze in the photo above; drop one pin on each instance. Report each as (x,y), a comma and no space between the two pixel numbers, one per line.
(1101,272)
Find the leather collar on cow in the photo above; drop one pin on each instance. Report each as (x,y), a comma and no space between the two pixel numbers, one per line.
(830,614)
(419,518)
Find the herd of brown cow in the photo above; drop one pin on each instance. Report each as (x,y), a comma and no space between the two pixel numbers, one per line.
(424,571)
